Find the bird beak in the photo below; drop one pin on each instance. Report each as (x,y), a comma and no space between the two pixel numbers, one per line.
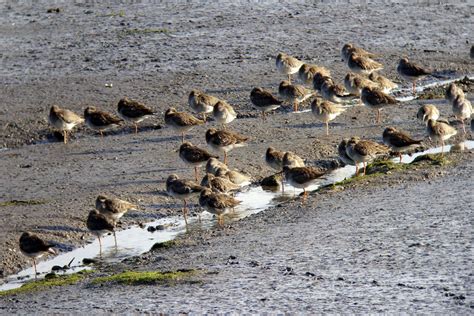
(52,251)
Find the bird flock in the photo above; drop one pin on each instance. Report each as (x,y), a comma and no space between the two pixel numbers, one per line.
(362,84)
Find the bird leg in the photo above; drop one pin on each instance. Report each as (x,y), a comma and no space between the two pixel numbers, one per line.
(327,128)
(289,78)
(295,106)
(65,136)
(136,128)
(101,134)
(34,265)
(182,137)
(225,157)
(414,87)
(305,195)
(263,116)
(442,147)
(115,239)
(463,127)
(184,213)
(100,247)
(365,167)
(378,116)
(196,173)
(357,169)
(400,155)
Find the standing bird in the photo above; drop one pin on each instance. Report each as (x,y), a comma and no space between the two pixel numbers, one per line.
(364,151)
(325,111)
(376,99)
(234,176)
(462,109)
(427,112)
(99,225)
(63,120)
(274,158)
(217,203)
(318,80)
(213,165)
(224,113)
(302,177)
(411,72)
(355,83)
(194,156)
(307,72)
(201,102)
(383,83)
(224,141)
(343,156)
(292,160)
(334,92)
(363,65)
(399,141)
(219,183)
(133,111)
(348,49)
(264,101)
(34,247)
(114,209)
(294,93)
(440,131)
(100,120)
(182,189)
(452,91)
(181,121)
(287,65)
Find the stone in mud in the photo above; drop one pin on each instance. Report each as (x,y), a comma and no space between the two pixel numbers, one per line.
(273,181)
(88,261)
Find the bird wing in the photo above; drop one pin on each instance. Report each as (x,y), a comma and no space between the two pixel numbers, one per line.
(68,116)
(264,98)
(134,109)
(305,174)
(400,139)
(185,119)
(34,244)
(101,118)
(414,70)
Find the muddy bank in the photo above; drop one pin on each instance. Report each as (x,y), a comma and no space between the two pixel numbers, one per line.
(156,53)
(380,244)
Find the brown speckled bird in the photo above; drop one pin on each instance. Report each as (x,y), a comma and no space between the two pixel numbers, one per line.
(202,103)
(349,48)
(133,111)
(462,109)
(34,247)
(263,101)
(217,203)
(63,120)
(325,111)
(100,120)
(287,65)
(364,151)
(294,93)
(411,72)
(302,177)
(383,83)
(307,72)
(181,121)
(376,99)
(224,141)
(440,131)
(399,141)
(427,112)
(363,65)
(194,156)
(99,224)
(182,189)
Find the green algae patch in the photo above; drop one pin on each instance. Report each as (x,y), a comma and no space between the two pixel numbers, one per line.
(164,245)
(148,277)
(22,202)
(432,159)
(46,283)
